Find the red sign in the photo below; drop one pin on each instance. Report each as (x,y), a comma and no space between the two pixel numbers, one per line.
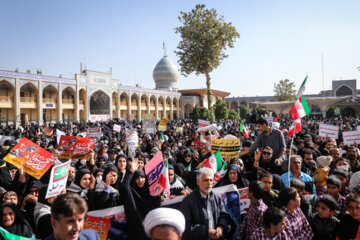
(71,147)
(100,225)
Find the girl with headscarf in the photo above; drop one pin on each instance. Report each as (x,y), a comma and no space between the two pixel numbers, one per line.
(107,192)
(84,185)
(13,221)
(71,175)
(234,176)
(121,164)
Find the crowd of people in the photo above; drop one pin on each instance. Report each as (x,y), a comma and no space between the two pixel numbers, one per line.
(305,187)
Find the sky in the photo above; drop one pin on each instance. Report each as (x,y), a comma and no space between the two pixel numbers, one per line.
(278,40)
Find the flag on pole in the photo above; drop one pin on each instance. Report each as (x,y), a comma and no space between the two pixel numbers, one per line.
(295,127)
(243,130)
(299,109)
(161,138)
(220,174)
(276,118)
(164,178)
(301,90)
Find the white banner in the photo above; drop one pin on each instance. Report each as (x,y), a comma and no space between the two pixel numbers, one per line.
(132,141)
(203,123)
(351,137)
(58,179)
(270,120)
(275,125)
(117,128)
(326,130)
(96,118)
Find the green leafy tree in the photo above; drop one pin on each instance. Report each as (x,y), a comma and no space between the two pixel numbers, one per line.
(243,110)
(284,90)
(204,38)
(233,115)
(257,110)
(220,109)
(200,113)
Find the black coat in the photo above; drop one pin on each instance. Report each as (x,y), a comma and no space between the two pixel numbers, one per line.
(194,209)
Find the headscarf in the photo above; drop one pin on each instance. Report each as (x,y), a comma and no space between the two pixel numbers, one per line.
(79,176)
(20,226)
(241,181)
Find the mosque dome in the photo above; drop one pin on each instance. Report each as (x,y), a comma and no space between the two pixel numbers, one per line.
(165,74)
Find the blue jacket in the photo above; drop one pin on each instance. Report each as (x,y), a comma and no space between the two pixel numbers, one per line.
(85,234)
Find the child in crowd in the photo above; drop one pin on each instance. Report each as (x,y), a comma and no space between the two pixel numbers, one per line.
(270,195)
(333,184)
(350,223)
(324,224)
(305,205)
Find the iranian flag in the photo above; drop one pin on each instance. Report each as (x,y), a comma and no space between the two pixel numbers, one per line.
(301,90)
(300,109)
(243,130)
(214,162)
(276,118)
(161,138)
(220,174)
(164,178)
(295,127)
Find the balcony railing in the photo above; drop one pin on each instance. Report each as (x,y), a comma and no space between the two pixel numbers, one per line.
(49,100)
(5,98)
(28,99)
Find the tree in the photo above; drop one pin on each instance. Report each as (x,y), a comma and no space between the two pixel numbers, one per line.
(243,110)
(200,113)
(233,115)
(257,110)
(220,109)
(284,90)
(205,37)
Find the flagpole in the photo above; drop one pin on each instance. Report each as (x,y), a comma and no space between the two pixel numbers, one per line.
(291,145)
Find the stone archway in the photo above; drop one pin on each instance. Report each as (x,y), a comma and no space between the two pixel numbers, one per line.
(187,110)
(348,112)
(144,105)
(124,105)
(68,104)
(344,91)
(29,107)
(153,105)
(50,103)
(99,103)
(7,104)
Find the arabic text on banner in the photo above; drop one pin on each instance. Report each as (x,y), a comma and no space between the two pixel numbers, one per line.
(71,147)
(94,133)
(99,224)
(203,123)
(163,121)
(351,137)
(58,179)
(228,147)
(153,170)
(34,159)
(326,130)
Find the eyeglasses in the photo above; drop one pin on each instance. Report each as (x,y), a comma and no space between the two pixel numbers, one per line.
(267,153)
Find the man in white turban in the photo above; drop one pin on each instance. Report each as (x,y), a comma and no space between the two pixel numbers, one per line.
(164,224)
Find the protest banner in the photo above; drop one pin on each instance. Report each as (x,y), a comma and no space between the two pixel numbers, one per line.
(132,142)
(326,130)
(34,159)
(48,131)
(179,130)
(71,147)
(117,128)
(58,179)
(153,171)
(270,119)
(162,128)
(275,125)
(99,224)
(94,133)
(351,136)
(163,121)
(228,147)
(59,133)
(203,123)
(149,123)
(116,215)
(82,134)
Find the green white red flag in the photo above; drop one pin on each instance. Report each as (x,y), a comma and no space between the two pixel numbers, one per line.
(299,109)
(188,168)
(243,130)
(301,90)
(216,163)
(295,127)
(276,118)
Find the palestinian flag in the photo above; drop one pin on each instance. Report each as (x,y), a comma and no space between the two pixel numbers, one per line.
(188,168)
(300,109)
(243,130)
(214,162)
(301,90)
(295,127)
(276,118)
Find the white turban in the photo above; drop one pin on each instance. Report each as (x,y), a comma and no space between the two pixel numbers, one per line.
(168,216)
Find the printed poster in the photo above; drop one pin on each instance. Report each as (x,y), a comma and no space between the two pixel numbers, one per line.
(326,130)
(163,121)
(99,224)
(132,141)
(203,123)
(94,133)
(48,131)
(351,136)
(153,170)
(58,179)
(149,123)
(34,159)
(117,128)
(71,147)
(228,147)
